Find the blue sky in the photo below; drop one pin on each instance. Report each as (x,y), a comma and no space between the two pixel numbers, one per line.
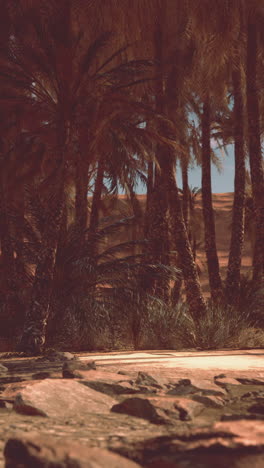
(221,181)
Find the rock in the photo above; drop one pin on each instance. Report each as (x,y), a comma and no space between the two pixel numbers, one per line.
(182,387)
(245,381)
(56,356)
(208,387)
(42,452)
(57,398)
(41,375)
(111,388)
(159,410)
(146,409)
(145,379)
(3,369)
(248,434)
(188,387)
(224,381)
(210,401)
(226,444)
(253,395)
(239,391)
(220,376)
(146,390)
(187,409)
(257,407)
(70,368)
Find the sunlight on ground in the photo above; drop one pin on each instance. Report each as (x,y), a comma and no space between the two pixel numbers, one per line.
(236,360)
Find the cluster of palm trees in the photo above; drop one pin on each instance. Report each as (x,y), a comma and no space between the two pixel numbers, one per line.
(99,94)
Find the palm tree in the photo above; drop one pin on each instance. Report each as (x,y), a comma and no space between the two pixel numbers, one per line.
(237,236)
(224,33)
(254,139)
(64,93)
(208,211)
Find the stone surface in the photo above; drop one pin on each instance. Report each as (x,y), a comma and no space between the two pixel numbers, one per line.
(71,368)
(179,429)
(224,381)
(57,398)
(53,355)
(247,381)
(42,452)
(41,375)
(210,401)
(159,410)
(183,387)
(111,388)
(225,444)
(145,379)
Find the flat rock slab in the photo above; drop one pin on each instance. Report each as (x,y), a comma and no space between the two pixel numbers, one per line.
(225,444)
(159,410)
(42,452)
(57,398)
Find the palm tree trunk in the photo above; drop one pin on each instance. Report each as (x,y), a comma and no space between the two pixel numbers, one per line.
(255,156)
(185,191)
(94,217)
(158,226)
(150,187)
(208,212)
(81,186)
(186,262)
(237,235)
(7,251)
(158,235)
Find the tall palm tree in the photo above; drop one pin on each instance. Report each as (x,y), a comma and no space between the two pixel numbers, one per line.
(224,33)
(208,211)
(254,138)
(63,92)
(238,223)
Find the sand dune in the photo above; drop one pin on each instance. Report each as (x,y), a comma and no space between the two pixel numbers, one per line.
(222,203)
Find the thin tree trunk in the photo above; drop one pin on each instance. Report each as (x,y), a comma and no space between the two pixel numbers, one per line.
(238,225)
(255,156)
(186,262)
(94,217)
(7,251)
(185,191)
(81,186)
(208,212)
(150,187)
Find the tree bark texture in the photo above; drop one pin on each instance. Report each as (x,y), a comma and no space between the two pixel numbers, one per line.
(185,191)
(238,225)
(255,156)
(208,211)
(187,265)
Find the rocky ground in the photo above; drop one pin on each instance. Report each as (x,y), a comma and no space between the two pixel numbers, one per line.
(63,411)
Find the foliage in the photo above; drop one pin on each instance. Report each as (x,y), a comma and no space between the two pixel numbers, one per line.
(91,103)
